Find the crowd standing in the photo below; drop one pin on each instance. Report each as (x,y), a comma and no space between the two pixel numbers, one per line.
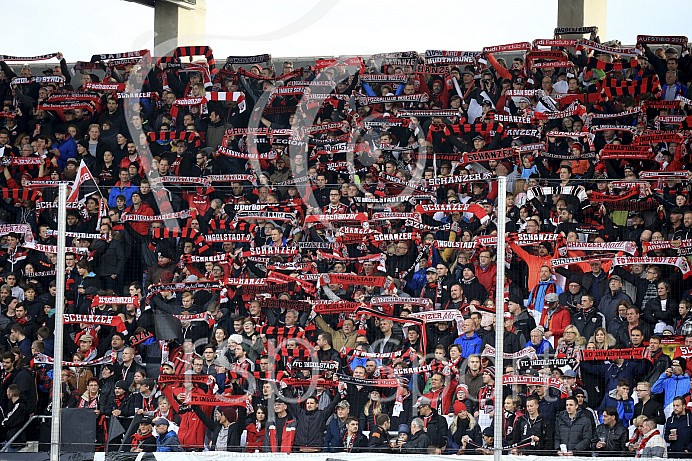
(280,259)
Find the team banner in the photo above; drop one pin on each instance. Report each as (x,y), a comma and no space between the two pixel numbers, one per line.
(393,383)
(627,247)
(412,370)
(256,59)
(216,238)
(142,218)
(508,380)
(482,156)
(218,400)
(522,46)
(182,286)
(336,307)
(348,279)
(448,315)
(566,43)
(460,179)
(42,57)
(181,378)
(383,78)
(110,320)
(679,262)
(45,360)
(610,354)
(18,229)
(588,44)
(666,245)
(574,30)
(98,300)
(43,80)
(548,363)
(379,355)
(529,352)
(269,251)
(662,39)
(104,86)
(54,249)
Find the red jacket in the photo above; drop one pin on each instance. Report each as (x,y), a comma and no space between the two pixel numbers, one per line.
(487,276)
(287,437)
(141,227)
(192,429)
(254,438)
(441,399)
(557,323)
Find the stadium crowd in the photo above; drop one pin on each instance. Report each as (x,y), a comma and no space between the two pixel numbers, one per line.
(282,259)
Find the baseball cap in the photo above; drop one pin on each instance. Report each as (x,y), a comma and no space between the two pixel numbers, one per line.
(552,298)
(570,374)
(343,404)
(161,421)
(422,401)
(146,420)
(431,269)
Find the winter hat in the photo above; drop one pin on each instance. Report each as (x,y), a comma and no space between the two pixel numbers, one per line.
(682,362)
(230,413)
(468,266)
(464,388)
(459,407)
(490,371)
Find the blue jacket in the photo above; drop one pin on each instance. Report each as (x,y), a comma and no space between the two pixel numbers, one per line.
(470,345)
(684,427)
(625,408)
(537,295)
(119,190)
(332,439)
(168,442)
(672,387)
(68,150)
(542,348)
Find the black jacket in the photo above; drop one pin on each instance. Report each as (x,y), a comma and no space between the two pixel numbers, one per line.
(13,418)
(653,313)
(359,445)
(661,363)
(575,433)
(652,409)
(436,427)
(311,424)
(235,429)
(418,443)
(623,334)
(525,427)
(523,324)
(379,441)
(587,323)
(616,438)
